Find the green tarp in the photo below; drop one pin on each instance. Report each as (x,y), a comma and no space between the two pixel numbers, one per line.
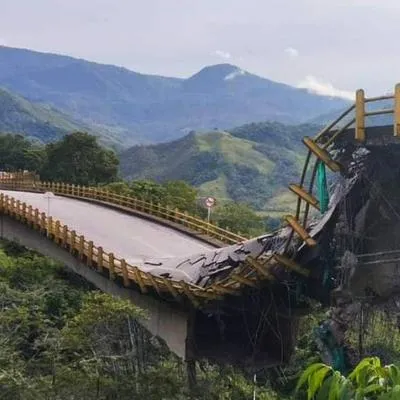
(322,186)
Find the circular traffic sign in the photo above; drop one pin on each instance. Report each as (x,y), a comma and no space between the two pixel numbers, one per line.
(210,202)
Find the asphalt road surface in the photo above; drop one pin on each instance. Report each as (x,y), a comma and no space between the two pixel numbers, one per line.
(128,237)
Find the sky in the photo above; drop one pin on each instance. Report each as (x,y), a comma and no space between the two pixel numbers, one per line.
(329,46)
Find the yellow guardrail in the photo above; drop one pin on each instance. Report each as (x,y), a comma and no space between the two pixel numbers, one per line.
(354,117)
(250,273)
(18,181)
(118,269)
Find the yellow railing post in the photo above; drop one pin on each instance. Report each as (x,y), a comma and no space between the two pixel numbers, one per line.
(36,222)
(30,216)
(89,258)
(24,217)
(17,208)
(64,236)
(56,229)
(73,240)
(125,275)
(396,114)
(43,226)
(111,266)
(100,259)
(360,116)
(81,248)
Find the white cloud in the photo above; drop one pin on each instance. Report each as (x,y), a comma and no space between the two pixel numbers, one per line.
(223,54)
(234,74)
(312,84)
(292,52)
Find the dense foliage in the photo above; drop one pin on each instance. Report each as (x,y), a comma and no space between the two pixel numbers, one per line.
(18,153)
(79,159)
(369,380)
(61,339)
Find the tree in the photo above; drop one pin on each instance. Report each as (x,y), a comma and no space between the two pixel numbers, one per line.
(79,159)
(148,191)
(368,381)
(18,153)
(239,217)
(181,195)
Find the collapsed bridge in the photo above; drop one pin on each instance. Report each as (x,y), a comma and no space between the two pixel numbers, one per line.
(229,299)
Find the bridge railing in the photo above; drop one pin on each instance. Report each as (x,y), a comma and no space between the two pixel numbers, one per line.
(95,257)
(157,210)
(249,274)
(354,117)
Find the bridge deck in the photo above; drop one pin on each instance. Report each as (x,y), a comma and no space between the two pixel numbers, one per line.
(127,236)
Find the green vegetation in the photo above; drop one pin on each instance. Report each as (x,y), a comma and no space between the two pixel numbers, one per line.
(174,194)
(235,217)
(368,381)
(43,124)
(252,164)
(79,159)
(61,339)
(18,153)
(241,218)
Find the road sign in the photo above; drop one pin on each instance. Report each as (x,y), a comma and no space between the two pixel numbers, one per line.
(210,202)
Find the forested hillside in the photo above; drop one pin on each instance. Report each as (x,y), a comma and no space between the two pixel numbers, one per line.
(43,123)
(252,163)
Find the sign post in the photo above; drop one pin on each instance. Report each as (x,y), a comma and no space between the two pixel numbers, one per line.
(209,202)
(48,196)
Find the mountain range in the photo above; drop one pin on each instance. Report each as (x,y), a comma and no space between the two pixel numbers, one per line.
(138,108)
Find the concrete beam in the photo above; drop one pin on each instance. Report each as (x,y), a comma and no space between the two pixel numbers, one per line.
(163,321)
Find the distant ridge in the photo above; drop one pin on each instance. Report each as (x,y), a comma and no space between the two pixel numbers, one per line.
(141,108)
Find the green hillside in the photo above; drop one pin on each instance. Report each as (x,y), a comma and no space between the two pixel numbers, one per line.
(252,163)
(43,123)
